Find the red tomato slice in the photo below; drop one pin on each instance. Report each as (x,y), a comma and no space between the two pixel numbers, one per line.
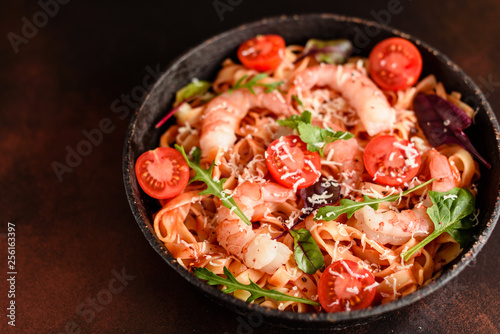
(262,53)
(395,63)
(345,286)
(291,164)
(162,173)
(391,161)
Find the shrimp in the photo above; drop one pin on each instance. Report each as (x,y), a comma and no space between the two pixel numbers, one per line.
(361,93)
(446,175)
(348,154)
(390,227)
(223,114)
(257,251)
(345,159)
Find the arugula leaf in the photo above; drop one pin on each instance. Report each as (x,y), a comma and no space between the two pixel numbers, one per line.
(255,291)
(254,82)
(348,206)
(193,89)
(297,100)
(450,213)
(306,251)
(213,187)
(332,52)
(315,137)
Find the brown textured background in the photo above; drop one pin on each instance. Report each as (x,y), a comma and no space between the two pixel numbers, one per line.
(71,235)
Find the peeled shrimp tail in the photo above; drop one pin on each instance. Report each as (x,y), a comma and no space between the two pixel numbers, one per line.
(257,251)
(395,228)
(224,113)
(361,93)
(446,175)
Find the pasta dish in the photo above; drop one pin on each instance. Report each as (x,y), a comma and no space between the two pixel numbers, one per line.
(306,179)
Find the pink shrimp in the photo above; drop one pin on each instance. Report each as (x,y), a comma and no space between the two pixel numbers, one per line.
(361,93)
(348,154)
(224,113)
(257,251)
(446,175)
(395,228)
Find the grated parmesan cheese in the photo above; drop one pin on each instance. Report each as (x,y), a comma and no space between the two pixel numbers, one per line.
(450,196)
(354,290)
(298,183)
(370,287)
(411,153)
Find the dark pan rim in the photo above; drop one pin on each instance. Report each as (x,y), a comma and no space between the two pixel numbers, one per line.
(373,312)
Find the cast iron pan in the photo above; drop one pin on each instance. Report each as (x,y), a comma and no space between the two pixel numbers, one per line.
(204,61)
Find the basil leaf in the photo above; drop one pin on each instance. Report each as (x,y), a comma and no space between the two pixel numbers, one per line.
(256,291)
(450,206)
(348,206)
(213,187)
(332,52)
(460,236)
(450,212)
(194,89)
(306,251)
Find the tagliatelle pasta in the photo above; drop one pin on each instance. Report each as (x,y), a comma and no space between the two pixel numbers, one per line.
(200,232)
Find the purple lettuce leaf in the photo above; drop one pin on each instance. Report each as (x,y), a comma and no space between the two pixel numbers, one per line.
(443,123)
(332,52)
(325,187)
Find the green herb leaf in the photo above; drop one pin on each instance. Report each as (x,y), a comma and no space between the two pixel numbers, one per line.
(332,52)
(254,82)
(450,212)
(315,137)
(348,206)
(462,236)
(188,93)
(297,100)
(255,291)
(194,89)
(213,187)
(306,251)
(311,135)
(294,120)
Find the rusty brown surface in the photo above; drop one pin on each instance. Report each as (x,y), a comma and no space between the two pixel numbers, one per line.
(74,237)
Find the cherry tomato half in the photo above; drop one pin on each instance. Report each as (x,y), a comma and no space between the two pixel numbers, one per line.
(291,164)
(345,286)
(162,173)
(391,161)
(395,63)
(262,53)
